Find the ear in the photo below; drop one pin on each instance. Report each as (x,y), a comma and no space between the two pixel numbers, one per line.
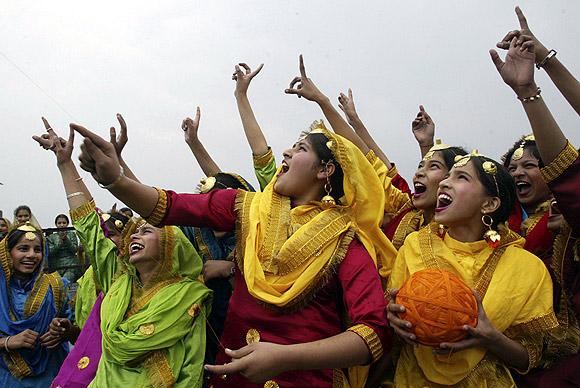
(490,205)
(326,171)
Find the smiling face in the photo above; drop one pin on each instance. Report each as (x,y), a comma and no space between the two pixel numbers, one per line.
(302,176)
(3,226)
(531,188)
(426,181)
(22,216)
(462,198)
(144,247)
(26,255)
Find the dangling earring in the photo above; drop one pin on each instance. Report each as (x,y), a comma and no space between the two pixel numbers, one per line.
(327,201)
(492,237)
(441,231)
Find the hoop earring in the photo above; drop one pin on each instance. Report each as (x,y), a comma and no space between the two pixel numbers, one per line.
(492,237)
(327,201)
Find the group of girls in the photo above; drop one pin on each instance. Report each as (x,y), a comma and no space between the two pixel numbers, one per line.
(304,274)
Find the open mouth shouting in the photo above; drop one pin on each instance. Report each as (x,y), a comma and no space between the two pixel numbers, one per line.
(524,188)
(135,247)
(444,200)
(420,189)
(284,169)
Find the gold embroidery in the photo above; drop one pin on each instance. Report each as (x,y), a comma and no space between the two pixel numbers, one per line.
(252,336)
(271,384)
(263,160)
(194,310)
(39,291)
(147,329)
(82,211)
(158,369)
(530,223)
(339,379)
(536,325)
(560,164)
(371,339)
(138,302)
(83,363)
(411,222)
(16,365)
(160,208)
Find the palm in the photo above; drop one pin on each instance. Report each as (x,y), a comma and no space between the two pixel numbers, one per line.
(518,68)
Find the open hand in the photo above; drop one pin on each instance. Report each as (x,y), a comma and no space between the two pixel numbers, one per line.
(190,127)
(243,78)
(518,69)
(119,142)
(50,141)
(346,104)
(423,128)
(302,86)
(258,362)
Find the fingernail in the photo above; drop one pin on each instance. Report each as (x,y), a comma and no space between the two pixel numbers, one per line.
(409,325)
(205,367)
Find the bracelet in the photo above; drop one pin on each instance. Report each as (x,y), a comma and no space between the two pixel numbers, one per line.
(110,185)
(74,194)
(551,54)
(533,98)
(6,343)
(232,272)
(79,179)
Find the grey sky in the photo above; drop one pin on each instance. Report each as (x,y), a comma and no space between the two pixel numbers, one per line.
(155,61)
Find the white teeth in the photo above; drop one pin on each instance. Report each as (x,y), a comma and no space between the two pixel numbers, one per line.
(134,247)
(445,197)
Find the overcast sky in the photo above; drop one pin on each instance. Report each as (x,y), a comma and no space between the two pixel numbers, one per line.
(155,61)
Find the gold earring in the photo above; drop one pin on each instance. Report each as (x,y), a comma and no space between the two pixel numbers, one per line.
(327,201)
(492,237)
(441,231)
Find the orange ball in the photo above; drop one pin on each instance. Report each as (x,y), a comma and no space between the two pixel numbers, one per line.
(437,303)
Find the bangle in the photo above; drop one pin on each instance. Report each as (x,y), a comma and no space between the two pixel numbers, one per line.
(533,98)
(79,179)
(232,271)
(6,343)
(110,185)
(74,194)
(542,63)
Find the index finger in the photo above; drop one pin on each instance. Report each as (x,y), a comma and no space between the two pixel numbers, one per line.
(521,18)
(226,369)
(96,139)
(302,68)
(122,122)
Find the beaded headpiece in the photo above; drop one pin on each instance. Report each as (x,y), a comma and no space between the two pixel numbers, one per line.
(489,167)
(438,146)
(29,229)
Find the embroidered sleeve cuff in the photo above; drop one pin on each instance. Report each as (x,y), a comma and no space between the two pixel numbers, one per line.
(371,339)
(371,157)
(540,324)
(263,160)
(393,172)
(160,209)
(533,346)
(83,210)
(564,160)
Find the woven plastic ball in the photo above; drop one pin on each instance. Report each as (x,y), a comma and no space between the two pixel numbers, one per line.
(437,303)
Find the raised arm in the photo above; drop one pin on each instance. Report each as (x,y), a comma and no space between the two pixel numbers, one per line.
(302,86)
(546,59)
(252,129)
(190,128)
(518,73)
(423,129)
(346,104)
(119,143)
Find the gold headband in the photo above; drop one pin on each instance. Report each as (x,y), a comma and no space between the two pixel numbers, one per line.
(29,229)
(438,146)
(519,152)
(488,167)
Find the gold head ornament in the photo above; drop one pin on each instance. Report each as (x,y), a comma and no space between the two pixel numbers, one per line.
(29,229)
(519,152)
(206,184)
(438,146)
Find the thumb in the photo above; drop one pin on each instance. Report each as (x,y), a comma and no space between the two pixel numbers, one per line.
(71,137)
(421,108)
(496,59)
(242,352)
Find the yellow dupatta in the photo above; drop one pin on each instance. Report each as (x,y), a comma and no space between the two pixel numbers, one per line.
(517,297)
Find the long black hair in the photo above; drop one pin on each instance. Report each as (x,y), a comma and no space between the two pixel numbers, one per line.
(318,142)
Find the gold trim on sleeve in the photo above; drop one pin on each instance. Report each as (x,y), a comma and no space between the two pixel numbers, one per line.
(263,160)
(371,339)
(82,211)
(393,172)
(564,160)
(160,208)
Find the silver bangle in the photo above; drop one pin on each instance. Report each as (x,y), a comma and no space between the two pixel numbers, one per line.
(551,54)
(71,195)
(6,343)
(110,185)
(79,179)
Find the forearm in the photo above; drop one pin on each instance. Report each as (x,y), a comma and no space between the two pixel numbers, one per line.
(128,172)
(340,351)
(549,138)
(252,129)
(511,352)
(339,125)
(364,134)
(425,148)
(75,189)
(205,161)
(139,197)
(566,83)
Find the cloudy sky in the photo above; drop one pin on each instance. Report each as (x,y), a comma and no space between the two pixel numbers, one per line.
(79,61)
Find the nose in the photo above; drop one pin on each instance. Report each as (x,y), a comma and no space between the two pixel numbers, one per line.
(444,184)
(420,173)
(519,171)
(288,153)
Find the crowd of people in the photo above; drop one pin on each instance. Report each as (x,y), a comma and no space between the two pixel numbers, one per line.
(296,284)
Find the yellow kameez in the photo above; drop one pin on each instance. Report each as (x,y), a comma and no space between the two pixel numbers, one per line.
(517,298)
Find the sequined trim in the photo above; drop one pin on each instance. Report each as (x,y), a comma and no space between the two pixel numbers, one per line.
(82,211)
(371,339)
(160,208)
(536,325)
(560,164)
(371,156)
(158,370)
(39,291)
(533,345)
(137,303)
(263,160)
(16,365)
(339,379)
(410,222)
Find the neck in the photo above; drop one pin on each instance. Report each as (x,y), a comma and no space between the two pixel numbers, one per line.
(531,208)
(313,195)
(468,232)
(428,215)
(21,277)
(146,272)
